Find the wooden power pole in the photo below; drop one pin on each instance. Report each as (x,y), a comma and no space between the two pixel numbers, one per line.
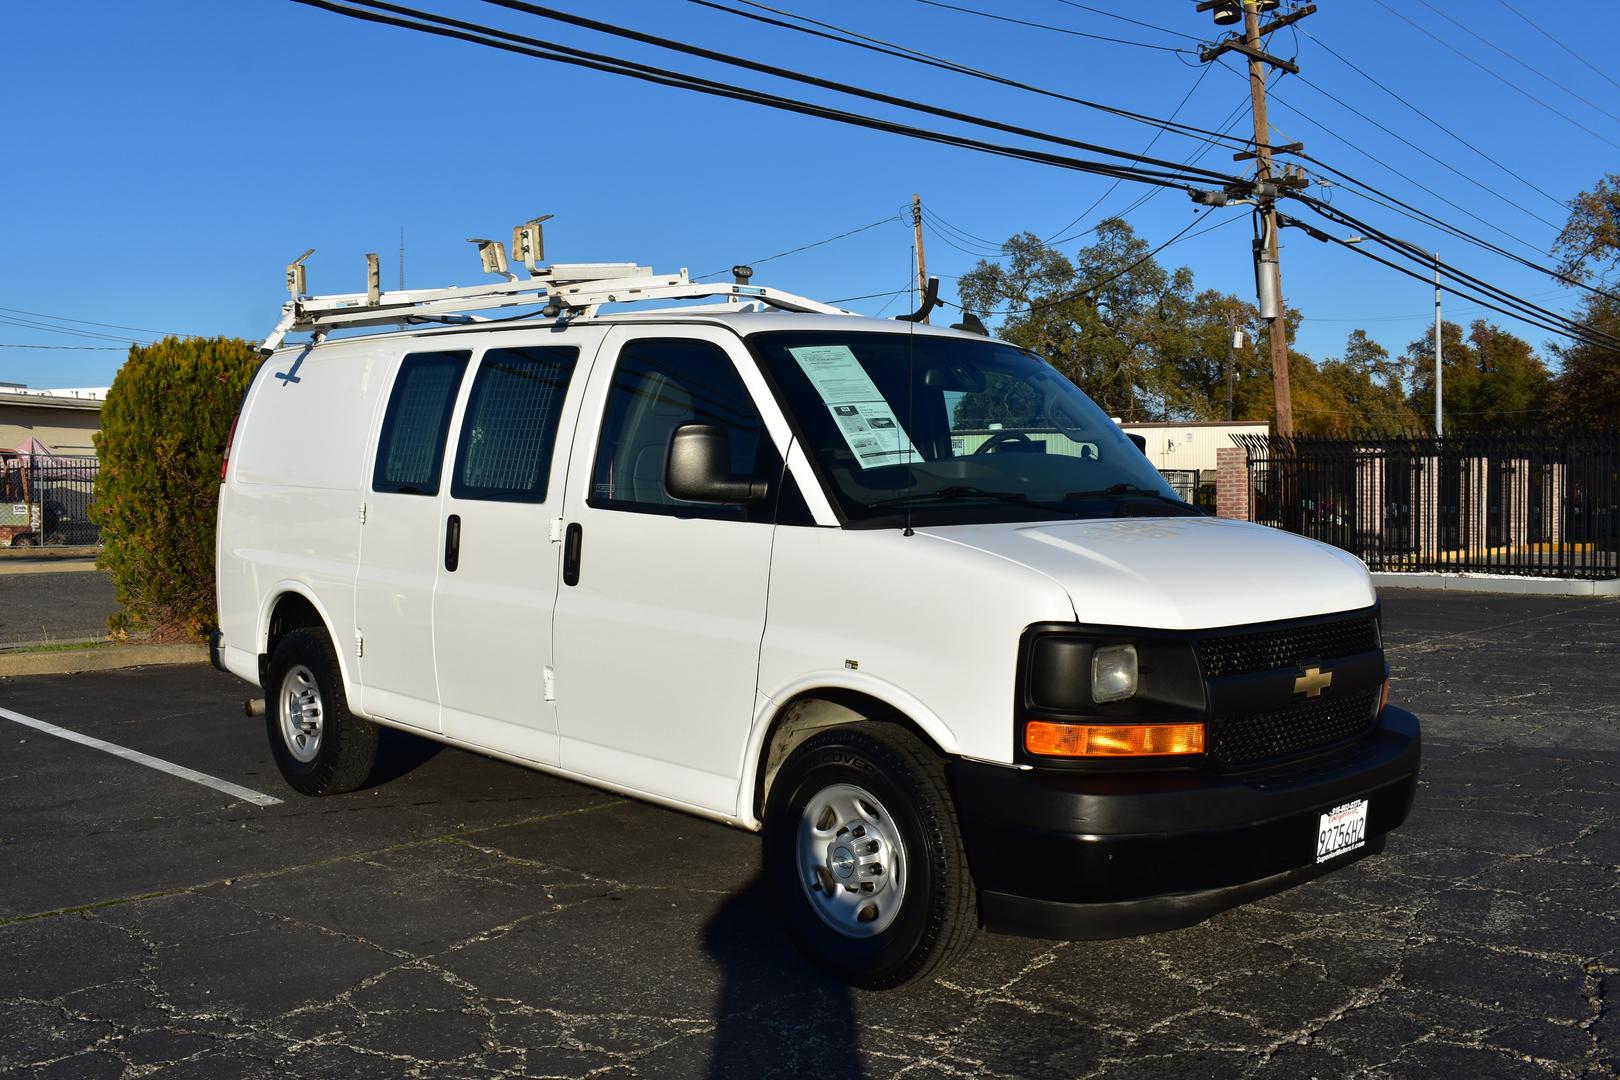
(1268,273)
(922,263)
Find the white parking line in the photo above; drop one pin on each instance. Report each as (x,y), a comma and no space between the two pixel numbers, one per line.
(236,791)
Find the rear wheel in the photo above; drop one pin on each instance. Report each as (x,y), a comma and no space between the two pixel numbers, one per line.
(863,847)
(320,748)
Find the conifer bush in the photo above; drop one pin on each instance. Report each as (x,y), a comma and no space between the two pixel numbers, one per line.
(163,431)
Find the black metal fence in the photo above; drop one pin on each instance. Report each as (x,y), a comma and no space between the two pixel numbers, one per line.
(1526,505)
(48,500)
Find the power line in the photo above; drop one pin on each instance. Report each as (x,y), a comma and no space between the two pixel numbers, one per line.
(87,322)
(804,247)
(1558,43)
(1471,32)
(790,74)
(63,330)
(1053,29)
(1496,75)
(1432,157)
(888,48)
(490,37)
(86,348)
(1134,22)
(1533,314)
(1458,138)
(1383,163)
(1182,104)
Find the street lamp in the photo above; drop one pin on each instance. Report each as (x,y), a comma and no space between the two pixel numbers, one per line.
(1439,419)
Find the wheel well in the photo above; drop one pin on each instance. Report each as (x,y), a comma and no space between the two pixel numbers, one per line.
(818,710)
(292,612)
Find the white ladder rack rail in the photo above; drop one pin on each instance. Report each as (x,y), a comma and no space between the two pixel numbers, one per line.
(566,289)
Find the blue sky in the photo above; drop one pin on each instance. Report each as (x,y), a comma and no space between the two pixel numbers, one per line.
(167,158)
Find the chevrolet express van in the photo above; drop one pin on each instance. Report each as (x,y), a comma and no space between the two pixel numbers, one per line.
(899,597)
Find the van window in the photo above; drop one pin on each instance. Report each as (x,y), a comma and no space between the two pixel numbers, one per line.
(659,385)
(510,427)
(410,450)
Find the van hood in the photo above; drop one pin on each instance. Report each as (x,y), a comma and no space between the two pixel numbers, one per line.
(1180,573)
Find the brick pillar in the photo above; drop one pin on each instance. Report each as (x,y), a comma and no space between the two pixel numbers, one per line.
(1232,494)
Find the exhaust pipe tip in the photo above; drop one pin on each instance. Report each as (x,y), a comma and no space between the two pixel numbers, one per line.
(253,706)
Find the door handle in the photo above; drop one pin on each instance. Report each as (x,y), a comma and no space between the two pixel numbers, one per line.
(572,539)
(452,543)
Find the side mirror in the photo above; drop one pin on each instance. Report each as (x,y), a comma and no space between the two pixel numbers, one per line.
(698,468)
(1139,441)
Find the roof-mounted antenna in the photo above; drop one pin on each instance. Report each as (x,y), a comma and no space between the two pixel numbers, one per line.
(297,282)
(492,253)
(529,243)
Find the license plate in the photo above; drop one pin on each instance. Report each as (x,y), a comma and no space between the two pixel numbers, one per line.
(1342,829)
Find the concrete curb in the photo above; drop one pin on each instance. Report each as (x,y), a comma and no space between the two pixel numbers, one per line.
(61,564)
(1487,583)
(105,658)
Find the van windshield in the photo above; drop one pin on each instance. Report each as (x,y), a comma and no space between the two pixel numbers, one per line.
(939,430)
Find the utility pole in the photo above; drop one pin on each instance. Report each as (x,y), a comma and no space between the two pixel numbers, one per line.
(1232,340)
(1439,417)
(1268,273)
(922,263)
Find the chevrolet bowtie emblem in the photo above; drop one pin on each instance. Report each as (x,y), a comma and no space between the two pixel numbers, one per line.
(1313,682)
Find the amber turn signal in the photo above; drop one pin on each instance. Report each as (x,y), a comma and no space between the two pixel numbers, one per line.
(1112,740)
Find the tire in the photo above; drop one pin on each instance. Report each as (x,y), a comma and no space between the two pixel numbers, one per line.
(319,746)
(874,799)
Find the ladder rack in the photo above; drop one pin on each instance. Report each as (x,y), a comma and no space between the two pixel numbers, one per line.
(566,290)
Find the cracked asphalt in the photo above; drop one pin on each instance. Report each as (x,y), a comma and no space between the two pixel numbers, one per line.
(466,918)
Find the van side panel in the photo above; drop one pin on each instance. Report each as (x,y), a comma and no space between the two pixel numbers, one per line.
(290,510)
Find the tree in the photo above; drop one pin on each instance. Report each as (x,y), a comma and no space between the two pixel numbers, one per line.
(1130,333)
(1587,394)
(1360,393)
(163,431)
(1493,379)
(1588,390)
(1589,244)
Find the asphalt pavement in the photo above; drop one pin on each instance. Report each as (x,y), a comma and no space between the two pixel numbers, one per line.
(42,607)
(466,918)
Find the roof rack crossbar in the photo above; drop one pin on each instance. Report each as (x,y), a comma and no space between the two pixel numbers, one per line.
(565,290)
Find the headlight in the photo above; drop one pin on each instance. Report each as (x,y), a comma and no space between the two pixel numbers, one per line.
(1113,673)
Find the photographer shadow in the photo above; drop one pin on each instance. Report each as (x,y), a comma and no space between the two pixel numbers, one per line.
(777,1015)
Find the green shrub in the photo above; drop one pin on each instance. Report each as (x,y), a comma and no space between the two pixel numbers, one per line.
(163,431)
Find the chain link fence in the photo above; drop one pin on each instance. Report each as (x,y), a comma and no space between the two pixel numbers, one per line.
(45,501)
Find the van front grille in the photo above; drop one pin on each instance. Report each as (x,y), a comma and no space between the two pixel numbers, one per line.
(1287,647)
(1246,740)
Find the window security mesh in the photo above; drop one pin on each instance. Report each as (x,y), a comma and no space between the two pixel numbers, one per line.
(510,429)
(411,447)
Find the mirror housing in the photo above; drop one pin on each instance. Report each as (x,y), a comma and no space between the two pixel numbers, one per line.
(698,468)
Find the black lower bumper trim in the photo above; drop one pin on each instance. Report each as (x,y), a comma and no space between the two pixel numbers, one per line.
(1007,914)
(216,651)
(1115,853)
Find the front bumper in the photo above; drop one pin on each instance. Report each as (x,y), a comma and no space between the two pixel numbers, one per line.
(1070,854)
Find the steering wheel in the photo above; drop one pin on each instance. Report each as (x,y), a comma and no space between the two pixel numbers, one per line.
(1000,439)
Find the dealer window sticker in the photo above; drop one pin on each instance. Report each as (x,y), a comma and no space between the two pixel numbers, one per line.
(870,428)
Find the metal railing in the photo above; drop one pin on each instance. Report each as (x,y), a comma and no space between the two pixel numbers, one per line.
(1530,505)
(47,500)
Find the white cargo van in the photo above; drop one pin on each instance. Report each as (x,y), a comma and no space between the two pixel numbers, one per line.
(900,597)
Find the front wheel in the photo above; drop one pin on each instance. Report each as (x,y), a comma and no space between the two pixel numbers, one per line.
(864,850)
(320,748)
